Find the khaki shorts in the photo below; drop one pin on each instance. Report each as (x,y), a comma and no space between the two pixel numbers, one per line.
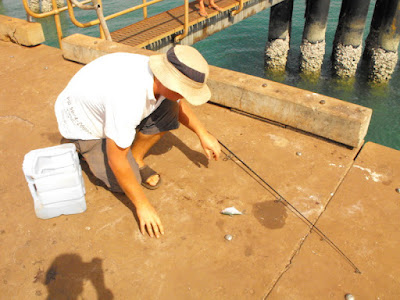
(164,118)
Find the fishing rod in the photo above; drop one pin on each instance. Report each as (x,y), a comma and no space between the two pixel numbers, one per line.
(281,198)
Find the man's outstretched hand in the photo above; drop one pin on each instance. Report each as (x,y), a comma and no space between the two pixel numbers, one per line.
(148,219)
(210,145)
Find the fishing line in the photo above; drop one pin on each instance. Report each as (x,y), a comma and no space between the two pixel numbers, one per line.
(281,198)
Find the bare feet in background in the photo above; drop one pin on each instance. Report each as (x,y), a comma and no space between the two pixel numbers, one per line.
(202,9)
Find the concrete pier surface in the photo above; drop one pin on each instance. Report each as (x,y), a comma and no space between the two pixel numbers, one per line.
(348,193)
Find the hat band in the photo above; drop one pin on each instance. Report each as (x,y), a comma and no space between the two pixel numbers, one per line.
(184,69)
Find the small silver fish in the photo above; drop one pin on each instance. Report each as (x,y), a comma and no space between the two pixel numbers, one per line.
(230,211)
(228,237)
(349,297)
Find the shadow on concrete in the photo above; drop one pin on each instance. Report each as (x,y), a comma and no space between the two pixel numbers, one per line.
(166,143)
(100,184)
(65,277)
(169,140)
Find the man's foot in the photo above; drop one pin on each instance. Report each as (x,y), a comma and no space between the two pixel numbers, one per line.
(150,178)
(203,13)
(216,7)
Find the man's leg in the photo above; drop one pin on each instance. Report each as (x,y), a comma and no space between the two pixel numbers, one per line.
(202,9)
(142,144)
(95,154)
(150,131)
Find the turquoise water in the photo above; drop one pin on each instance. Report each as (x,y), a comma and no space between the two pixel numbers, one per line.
(241,48)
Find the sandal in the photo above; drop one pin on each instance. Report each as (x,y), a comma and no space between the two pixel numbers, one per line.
(217,8)
(203,14)
(146,172)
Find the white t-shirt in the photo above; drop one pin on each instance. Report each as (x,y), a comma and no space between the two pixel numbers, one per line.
(107,98)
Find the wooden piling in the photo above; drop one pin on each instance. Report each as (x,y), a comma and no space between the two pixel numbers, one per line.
(277,47)
(313,44)
(382,44)
(347,47)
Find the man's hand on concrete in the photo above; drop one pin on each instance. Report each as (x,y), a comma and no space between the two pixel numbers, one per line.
(148,219)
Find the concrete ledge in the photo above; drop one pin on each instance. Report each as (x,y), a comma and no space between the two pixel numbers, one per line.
(328,117)
(20,31)
(324,116)
(83,49)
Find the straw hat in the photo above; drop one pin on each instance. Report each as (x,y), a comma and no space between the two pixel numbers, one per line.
(185,71)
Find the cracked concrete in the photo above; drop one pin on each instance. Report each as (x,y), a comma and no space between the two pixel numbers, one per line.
(20,31)
(355,217)
(15,120)
(313,229)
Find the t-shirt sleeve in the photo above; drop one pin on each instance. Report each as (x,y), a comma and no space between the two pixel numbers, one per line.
(122,116)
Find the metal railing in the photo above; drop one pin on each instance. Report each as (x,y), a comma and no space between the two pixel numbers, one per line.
(240,8)
(101,19)
(54,12)
(96,5)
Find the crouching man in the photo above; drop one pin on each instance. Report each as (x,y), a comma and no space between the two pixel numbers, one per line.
(118,106)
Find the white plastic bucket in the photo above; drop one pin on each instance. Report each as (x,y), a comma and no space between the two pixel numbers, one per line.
(55,181)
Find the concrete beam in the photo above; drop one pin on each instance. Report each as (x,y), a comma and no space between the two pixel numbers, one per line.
(324,116)
(20,31)
(83,49)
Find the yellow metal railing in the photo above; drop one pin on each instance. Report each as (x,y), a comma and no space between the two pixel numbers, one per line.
(118,14)
(186,23)
(101,19)
(240,8)
(97,5)
(54,12)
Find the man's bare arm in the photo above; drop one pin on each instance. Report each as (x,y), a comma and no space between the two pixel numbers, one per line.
(148,218)
(209,143)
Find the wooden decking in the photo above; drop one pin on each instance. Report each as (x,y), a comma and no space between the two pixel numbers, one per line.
(165,24)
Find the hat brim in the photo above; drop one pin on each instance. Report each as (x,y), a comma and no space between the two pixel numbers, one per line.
(166,75)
